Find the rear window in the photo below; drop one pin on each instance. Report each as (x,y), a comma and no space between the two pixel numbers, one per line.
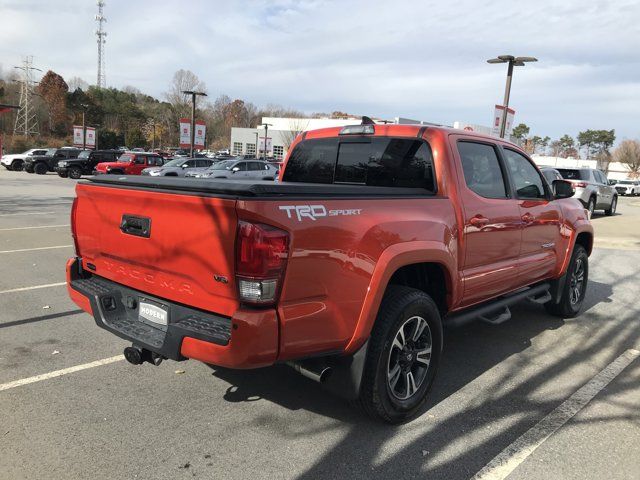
(569,174)
(372,161)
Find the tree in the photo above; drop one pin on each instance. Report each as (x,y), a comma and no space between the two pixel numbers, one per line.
(597,142)
(76,82)
(520,131)
(53,90)
(296,127)
(628,154)
(183,80)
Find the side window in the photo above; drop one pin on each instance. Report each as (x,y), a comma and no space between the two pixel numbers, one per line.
(241,165)
(255,166)
(190,163)
(602,178)
(139,160)
(526,179)
(482,172)
(400,162)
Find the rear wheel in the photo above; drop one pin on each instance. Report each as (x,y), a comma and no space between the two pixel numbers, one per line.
(612,208)
(40,168)
(575,286)
(591,205)
(16,165)
(75,173)
(403,357)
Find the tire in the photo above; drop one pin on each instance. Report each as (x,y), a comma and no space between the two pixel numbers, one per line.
(63,174)
(17,165)
(40,168)
(28,169)
(591,205)
(612,208)
(74,172)
(574,289)
(387,391)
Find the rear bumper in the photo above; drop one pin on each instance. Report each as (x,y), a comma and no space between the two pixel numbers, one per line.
(249,339)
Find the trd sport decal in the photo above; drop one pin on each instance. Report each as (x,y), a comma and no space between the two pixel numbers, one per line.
(314,212)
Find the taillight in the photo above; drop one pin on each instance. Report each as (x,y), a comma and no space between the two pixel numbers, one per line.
(261,258)
(580,184)
(74,209)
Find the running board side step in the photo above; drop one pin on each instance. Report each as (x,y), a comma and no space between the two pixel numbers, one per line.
(496,311)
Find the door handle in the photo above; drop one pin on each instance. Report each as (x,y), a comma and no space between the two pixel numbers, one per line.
(527,218)
(479,221)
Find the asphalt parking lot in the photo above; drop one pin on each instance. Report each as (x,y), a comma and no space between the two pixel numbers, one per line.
(70,407)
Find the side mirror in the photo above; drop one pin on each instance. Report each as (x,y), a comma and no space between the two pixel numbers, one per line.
(562,189)
(184,165)
(235,169)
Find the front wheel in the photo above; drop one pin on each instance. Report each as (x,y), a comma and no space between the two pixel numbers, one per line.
(40,168)
(612,208)
(575,286)
(75,173)
(16,165)
(404,353)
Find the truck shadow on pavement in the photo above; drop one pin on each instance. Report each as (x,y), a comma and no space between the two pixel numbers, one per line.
(467,416)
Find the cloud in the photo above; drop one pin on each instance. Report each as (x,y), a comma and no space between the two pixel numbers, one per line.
(420,59)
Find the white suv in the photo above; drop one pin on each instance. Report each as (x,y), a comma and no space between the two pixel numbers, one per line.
(15,161)
(627,187)
(592,189)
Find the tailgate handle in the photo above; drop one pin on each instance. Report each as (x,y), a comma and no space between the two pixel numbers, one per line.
(138,226)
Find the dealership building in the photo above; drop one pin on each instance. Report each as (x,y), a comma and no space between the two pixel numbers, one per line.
(282,131)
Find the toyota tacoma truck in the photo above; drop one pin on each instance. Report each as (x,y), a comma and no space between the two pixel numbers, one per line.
(375,238)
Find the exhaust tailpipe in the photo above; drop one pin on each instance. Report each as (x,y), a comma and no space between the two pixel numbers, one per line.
(136,356)
(316,371)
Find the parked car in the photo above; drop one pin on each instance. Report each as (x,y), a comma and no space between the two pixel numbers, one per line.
(348,270)
(130,163)
(592,189)
(178,167)
(85,163)
(550,174)
(15,161)
(239,170)
(627,187)
(42,164)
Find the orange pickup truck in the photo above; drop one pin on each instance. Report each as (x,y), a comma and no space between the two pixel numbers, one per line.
(375,238)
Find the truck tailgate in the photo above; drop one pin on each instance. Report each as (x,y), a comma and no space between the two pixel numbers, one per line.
(176,246)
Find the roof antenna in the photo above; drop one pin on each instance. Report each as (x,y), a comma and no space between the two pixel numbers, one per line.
(367,121)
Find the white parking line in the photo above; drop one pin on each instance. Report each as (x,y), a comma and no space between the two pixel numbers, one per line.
(512,456)
(25,213)
(36,248)
(35,287)
(30,228)
(59,373)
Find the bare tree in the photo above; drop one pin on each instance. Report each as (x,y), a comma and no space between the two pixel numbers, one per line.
(628,154)
(75,83)
(183,80)
(296,127)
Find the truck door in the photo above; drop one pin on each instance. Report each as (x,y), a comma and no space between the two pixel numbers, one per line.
(540,216)
(139,164)
(492,228)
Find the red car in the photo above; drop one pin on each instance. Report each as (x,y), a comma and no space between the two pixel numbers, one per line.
(376,237)
(130,163)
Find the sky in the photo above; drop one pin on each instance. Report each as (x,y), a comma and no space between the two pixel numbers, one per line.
(418,59)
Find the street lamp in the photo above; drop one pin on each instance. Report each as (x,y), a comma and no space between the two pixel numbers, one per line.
(513,62)
(257,141)
(266,129)
(84,129)
(193,114)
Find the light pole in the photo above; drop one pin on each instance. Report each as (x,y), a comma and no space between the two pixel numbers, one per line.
(266,130)
(84,129)
(257,141)
(513,62)
(193,115)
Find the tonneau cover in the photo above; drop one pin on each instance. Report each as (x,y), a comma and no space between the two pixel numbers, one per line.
(251,188)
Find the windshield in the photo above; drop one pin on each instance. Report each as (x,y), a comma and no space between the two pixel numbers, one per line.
(125,158)
(51,151)
(224,165)
(176,162)
(626,182)
(572,174)
(84,154)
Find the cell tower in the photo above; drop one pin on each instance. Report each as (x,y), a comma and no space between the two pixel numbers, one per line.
(102,39)
(26,120)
